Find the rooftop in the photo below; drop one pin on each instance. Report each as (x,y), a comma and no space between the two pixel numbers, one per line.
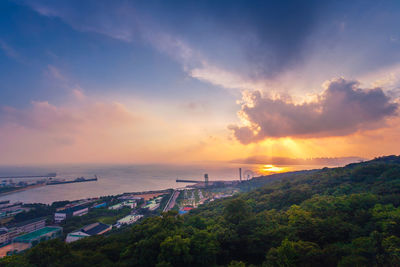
(73,209)
(151,205)
(130,197)
(94,228)
(128,218)
(28,222)
(36,234)
(100,204)
(116,205)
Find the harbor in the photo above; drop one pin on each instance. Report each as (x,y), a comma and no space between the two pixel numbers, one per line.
(114,179)
(12,183)
(77,180)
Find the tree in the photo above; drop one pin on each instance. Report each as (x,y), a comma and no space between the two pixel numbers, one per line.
(51,253)
(391,246)
(203,248)
(236,211)
(291,253)
(175,251)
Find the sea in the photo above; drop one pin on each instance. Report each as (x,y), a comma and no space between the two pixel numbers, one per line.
(118,179)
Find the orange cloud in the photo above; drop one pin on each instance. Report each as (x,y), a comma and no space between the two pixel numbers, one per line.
(342,109)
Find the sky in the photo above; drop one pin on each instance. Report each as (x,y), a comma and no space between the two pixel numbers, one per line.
(198,81)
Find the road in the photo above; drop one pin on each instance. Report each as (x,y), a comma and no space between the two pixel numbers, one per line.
(171,201)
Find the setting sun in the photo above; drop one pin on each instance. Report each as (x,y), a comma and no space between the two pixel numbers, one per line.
(269,168)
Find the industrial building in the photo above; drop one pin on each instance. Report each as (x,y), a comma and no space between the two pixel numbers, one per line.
(101,205)
(153,204)
(27,227)
(8,209)
(31,239)
(62,215)
(6,235)
(8,214)
(128,220)
(128,203)
(11,207)
(116,206)
(130,197)
(89,230)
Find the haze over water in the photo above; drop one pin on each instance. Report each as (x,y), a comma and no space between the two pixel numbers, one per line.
(118,179)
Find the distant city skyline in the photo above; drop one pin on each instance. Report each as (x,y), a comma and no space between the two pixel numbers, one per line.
(197,81)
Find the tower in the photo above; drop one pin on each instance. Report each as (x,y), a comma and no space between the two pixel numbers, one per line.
(206,179)
(240,174)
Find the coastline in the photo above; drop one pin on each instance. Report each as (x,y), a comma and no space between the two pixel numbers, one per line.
(21,189)
(145,194)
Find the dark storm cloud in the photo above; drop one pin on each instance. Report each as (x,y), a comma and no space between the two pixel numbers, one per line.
(280,30)
(270,34)
(343,108)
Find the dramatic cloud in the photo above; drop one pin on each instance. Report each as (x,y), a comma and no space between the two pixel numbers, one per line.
(341,109)
(268,35)
(265,38)
(276,32)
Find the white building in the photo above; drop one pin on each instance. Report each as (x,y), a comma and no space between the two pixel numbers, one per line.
(116,206)
(128,220)
(61,215)
(89,230)
(129,203)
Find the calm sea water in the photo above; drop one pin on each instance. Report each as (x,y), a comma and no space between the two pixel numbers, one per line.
(118,179)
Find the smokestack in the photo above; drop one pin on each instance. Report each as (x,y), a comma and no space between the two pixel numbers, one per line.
(240,174)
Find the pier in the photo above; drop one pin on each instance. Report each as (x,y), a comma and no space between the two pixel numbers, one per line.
(49,175)
(193,181)
(187,181)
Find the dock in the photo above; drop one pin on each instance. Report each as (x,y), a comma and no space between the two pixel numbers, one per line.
(187,181)
(77,180)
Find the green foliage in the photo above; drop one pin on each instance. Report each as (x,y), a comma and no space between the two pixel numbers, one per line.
(51,253)
(175,251)
(346,216)
(237,264)
(294,253)
(236,211)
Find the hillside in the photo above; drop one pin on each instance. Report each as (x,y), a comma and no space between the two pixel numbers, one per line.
(346,216)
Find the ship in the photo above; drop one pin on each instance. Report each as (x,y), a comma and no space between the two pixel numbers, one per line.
(77,180)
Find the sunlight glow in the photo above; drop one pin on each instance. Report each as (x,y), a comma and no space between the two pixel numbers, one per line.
(269,168)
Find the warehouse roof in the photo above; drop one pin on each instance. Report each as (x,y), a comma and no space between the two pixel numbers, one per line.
(94,228)
(128,218)
(28,222)
(71,210)
(36,234)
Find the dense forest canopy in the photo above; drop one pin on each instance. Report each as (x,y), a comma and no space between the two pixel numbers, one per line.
(346,216)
